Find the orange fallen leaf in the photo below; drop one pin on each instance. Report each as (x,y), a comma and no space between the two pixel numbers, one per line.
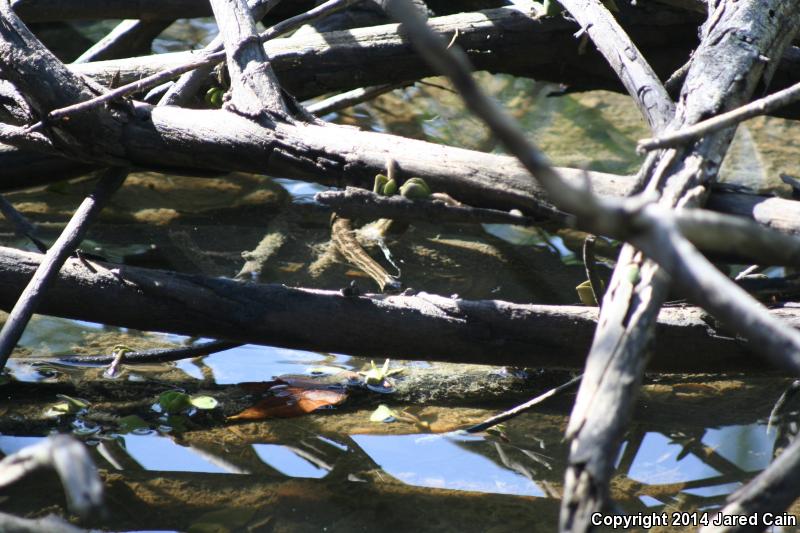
(292,401)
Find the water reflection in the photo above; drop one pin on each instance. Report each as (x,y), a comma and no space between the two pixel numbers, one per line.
(436,461)
(291,461)
(260,363)
(659,461)
(163,454)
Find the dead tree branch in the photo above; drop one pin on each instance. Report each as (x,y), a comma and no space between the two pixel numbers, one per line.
(638,288)
(762,106)
(616,363)
(64,246)
(424,325)
(255,92)
(129,37)
(625,58)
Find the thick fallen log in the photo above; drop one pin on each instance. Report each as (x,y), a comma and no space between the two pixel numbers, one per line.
(59,10)
(422,326)
(499,40)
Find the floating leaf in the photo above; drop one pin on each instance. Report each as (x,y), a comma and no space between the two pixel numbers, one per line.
(174,401)
(377,376)
(292,401)
(129,423)
(76,403)
(67,406)
(204,402)
(383,414)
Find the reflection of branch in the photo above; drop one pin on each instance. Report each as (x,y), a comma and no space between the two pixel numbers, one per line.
(773,490)
(47,524)
(511,413)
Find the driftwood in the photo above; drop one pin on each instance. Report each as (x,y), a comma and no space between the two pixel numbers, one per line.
(269,132)
(619,354)
(421,326)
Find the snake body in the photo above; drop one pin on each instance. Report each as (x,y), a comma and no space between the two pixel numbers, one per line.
(342,230)
(345,241)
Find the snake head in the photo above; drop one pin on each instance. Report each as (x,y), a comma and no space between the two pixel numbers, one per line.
(415,189)
(384,185)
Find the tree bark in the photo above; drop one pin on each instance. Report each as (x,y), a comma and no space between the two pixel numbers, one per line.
(422,327)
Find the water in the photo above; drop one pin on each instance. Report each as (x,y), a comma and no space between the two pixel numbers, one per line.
(335,470)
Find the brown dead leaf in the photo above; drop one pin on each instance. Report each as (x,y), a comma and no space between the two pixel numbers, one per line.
(288,402)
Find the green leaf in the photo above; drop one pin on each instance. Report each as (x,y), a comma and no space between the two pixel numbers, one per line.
(204,402)
(383,414)
(174,401)
(69,404)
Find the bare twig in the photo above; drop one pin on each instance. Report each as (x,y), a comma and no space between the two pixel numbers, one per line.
(154,356)
(452,62)
(204,60)
(700,281)
(518,410)
(354,202)
(64,246)
(591,269)
(762,106)
(351,98)
(616,365)
(431,327)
